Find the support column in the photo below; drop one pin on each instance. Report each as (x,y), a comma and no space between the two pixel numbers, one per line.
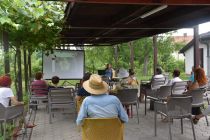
(130,44)
(6,52)
(196,47)
(116,55)
(19,75)
(155,53)
(29,65)
(25,69)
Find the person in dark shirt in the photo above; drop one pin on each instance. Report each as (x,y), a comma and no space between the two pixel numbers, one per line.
(82,93)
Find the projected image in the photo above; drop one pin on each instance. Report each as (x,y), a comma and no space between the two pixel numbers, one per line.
(65,64)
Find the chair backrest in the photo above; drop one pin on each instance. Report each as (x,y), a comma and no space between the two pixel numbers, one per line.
(2,111)
(38,89)
(163,92)
(166,75)
(157,82)
(197,97)
(179,87)
(61,95)
(11,112)
(127,96)
(102,129)
(179,106)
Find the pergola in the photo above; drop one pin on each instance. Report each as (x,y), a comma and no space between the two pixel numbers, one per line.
(110,22)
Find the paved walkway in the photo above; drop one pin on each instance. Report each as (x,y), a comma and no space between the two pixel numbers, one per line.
(64,128)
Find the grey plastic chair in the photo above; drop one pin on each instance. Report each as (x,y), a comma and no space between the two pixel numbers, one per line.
(156,83)
(197,99)
(62,98)
(175,108)
(178,88)
(9,113)
(34,99)
(129,97)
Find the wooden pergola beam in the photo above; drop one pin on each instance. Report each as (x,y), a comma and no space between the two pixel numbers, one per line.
(146,2)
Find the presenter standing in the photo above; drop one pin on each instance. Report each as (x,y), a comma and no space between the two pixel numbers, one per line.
(109,71)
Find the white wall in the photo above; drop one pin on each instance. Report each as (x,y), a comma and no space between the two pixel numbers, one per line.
(189,58)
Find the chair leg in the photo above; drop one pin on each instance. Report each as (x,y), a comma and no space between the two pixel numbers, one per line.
(145,102)
(155,122)
(192,128)
(207,122)
(169,125)
(137,113)
(207,100)
(181,126)
(4,134)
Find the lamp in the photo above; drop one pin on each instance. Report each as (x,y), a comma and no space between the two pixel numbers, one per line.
(153,11)
(149,13)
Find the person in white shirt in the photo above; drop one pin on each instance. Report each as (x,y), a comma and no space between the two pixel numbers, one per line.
(176,74)
(6,93)
(144,87)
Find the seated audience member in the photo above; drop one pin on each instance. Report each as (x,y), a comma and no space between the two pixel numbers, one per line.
(176,74)
(82,92)
(200,81)
(146,86)
(55,80)
(127,81)
(100,104)
(39,86)
(132,80)
(6,93)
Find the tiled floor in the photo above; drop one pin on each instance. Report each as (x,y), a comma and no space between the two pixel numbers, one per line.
(64,128)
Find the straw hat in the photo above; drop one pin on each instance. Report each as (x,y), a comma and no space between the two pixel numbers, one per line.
(123,73)
(95,85)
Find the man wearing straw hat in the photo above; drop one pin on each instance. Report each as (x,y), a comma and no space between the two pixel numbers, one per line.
(100,104)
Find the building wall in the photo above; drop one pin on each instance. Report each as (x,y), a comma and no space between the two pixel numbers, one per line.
(189,58)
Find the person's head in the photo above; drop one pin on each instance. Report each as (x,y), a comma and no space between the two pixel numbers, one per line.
(108,66)
(176,73)
(5,81)
(86,76)
(200,76)
(55,80)
(131,72)
(38,75)
(95,85)
(158,71)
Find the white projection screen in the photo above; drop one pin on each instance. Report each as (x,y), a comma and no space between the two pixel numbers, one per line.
(66,64)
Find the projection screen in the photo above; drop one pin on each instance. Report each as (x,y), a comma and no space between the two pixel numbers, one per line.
(66,64)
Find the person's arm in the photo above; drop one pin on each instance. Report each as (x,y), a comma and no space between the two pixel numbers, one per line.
(82,113)
(121,112)
(15,101)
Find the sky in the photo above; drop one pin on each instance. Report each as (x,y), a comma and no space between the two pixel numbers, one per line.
(203,28)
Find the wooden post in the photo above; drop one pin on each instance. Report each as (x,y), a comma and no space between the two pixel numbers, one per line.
(196,47)
(6,52)
(155,53)
(19,75)
(25,69)
(29,65)
(116,55)
(130,44)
